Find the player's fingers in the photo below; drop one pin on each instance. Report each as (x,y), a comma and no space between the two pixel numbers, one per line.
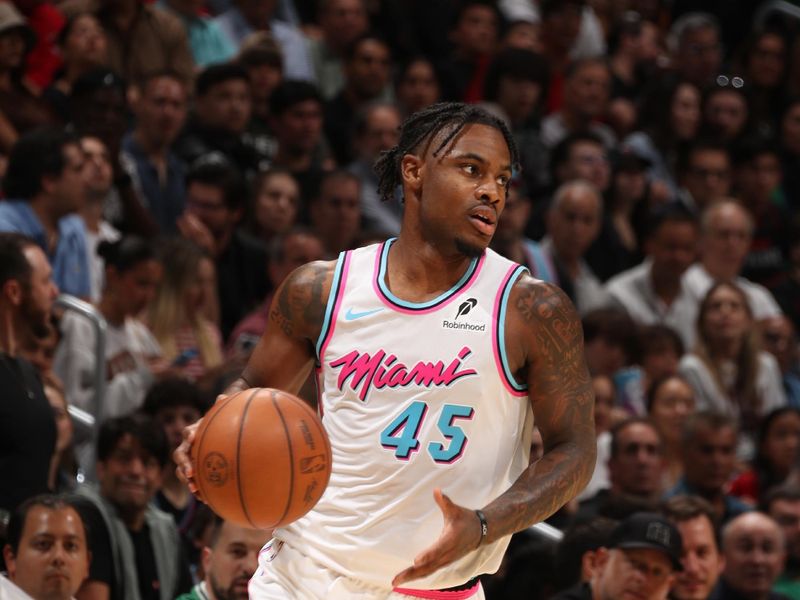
(425,564)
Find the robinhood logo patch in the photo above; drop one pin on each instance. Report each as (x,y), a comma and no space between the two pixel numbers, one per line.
(463,309)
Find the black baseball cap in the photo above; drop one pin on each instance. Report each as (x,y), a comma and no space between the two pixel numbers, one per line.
(649,530)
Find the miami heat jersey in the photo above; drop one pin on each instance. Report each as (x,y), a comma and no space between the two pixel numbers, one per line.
(413,397)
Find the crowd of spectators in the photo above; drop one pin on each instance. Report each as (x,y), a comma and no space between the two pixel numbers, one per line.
(172,162)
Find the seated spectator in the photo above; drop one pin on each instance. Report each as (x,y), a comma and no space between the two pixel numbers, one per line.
(274,207)
(245,17)
(727,368)
(473,36)
(654,292)
(726,110)
(634,468)
(341,22)
(190,342)
(780,339)
(659,350)
(21,110)
(142,38)
(261,57)
(509,238)
(222,110)
(296,118)
(620,243)
(709,458)
(44,184)
(83,46)
(47,552)
(758,173)
(215,204)
(587,86)
(608,339)
(573,223)
(696,47)
(174,403)
(336,212)
(132,355)
(366,80)
(669,119)
(99,108)
(755,552)
(135,546)
(97,177)
(287,251)
(516,84)
(206,40)
(27,427)
(149,149)
(782,503)
(561,26)
(777,454)
(670,401)
(229,561)
(704,174)
(726,231)
(576,556)
(376,130)
(642,543)
(604,413)
(700,554)
(417,86)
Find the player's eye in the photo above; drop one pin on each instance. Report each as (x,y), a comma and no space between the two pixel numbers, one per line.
(470,169)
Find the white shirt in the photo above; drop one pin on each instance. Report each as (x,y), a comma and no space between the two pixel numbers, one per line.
(633,290)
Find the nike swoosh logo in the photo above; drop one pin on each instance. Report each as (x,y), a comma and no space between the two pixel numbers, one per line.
(351,315)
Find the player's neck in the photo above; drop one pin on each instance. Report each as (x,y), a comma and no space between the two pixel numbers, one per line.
(417,271)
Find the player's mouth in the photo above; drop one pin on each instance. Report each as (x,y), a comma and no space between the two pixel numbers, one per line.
(484,219)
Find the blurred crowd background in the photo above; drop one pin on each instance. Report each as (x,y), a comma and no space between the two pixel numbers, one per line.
(164,166)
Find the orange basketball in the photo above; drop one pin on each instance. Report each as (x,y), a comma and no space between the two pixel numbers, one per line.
(261,458)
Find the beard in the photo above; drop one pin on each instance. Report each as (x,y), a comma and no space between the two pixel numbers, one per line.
(37,320)
(469,250)
(230,593)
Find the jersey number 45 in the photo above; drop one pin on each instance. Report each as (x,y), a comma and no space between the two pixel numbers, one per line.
(402,434)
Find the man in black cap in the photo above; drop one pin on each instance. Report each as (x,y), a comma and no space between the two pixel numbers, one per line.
(640,563)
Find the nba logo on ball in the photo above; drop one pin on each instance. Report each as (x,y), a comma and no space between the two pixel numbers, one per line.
(263,458)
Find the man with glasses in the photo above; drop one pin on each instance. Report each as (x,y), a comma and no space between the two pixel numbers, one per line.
(704,175)
(641,562)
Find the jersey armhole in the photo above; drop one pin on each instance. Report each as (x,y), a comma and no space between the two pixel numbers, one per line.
(498,335)
(332,305)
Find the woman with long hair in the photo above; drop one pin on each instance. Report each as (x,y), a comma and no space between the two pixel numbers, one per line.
(727,369)
(670,118)
(777,454)
(670,400)
(190,342)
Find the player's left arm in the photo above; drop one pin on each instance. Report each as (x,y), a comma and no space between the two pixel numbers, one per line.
(545,347)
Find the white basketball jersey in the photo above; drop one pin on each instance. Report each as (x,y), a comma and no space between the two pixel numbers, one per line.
(413,397)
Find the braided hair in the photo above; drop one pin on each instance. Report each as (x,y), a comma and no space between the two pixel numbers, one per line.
(422,126)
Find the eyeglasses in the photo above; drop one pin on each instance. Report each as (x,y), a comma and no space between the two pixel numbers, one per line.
(723,81)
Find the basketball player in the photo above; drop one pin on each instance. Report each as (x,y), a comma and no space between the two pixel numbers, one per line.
(433,356)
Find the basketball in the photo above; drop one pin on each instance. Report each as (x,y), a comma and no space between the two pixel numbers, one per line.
(261,458)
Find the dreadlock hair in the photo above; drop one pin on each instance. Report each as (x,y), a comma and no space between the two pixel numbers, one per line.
(423,126)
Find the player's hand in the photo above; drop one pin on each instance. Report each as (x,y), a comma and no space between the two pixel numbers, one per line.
(183,458)
(460,536)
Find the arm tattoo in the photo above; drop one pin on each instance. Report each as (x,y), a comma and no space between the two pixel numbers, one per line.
(561,394)
(299,309)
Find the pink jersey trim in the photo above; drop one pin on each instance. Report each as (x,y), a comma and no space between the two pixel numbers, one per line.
(440,595)
(420,311)
(495,349)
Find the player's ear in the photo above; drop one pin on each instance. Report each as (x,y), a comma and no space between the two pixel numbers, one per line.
(411,171)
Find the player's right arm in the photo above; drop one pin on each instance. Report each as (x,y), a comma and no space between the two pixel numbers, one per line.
(284,355)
